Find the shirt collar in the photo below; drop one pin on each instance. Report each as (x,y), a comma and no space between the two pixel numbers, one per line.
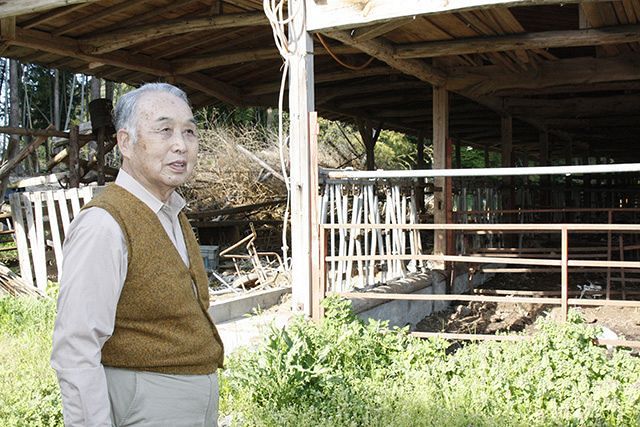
(129,183)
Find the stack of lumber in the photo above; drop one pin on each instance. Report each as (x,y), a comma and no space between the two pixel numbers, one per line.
(12,284)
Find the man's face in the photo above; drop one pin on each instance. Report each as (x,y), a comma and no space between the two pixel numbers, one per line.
(166,150)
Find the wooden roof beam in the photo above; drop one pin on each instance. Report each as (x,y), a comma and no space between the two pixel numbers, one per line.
(229,57)
(108,42)
(589,37)
(69,47)
(574,107)
(374,31)
(116,8)
(25,7)
(331,15)
(53,14)
(480,81)
(147,15)
(319,77)
(385,52)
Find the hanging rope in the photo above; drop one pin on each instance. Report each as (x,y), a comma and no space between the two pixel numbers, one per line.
(274,10)
(338,60)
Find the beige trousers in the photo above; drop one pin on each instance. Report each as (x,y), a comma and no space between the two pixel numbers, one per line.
(151,399)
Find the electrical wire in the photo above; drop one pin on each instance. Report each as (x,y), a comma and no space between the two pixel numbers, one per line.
(339,61)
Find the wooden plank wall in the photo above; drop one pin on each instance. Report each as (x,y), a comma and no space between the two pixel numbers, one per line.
(41,220)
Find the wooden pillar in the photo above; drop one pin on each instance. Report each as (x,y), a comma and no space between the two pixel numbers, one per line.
(586,181)
(448,203)
(100,154)
(369,137)
(420,164)
(526,187)
(74,157)
(440,135)
(568,180)
(545,180)
(506,141)
(301,103)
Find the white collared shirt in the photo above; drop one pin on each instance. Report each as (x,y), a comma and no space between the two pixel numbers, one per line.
(94,269)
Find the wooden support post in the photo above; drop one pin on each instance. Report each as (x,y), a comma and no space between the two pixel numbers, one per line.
(369,136)
(568,180)
(318,242)
(508,193)
(301,103)
(448,203)
(440,134)
(100,154)
(321,285)
(565,273)
(420,164)
(622,279)
(74,157)
(609,237)
(545,181)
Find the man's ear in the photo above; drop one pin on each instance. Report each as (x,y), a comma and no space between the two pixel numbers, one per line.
(124,143)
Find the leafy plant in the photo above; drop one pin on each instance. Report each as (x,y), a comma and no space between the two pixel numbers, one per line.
(345,372)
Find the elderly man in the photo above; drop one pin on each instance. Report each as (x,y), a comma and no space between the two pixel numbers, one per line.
(133,343)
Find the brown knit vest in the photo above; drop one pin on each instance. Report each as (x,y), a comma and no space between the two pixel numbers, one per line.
(160,324)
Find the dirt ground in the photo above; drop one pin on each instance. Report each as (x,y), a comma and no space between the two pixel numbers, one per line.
(490,318)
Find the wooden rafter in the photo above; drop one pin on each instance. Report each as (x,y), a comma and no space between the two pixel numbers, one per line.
(116,8)
(156,11)
(24,7)
(384,51)
(575,107)
(273,87)
(229,57)
(51,15)
(109,42)
(69,47)
(589,37)
(373,31)
(485,80)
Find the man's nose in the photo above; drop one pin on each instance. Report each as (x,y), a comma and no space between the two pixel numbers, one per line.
(179,143)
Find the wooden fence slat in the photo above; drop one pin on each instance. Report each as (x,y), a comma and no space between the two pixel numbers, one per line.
(73,195)
(38,250)
(21,238)
(55,230)
(64,209)
(31,228)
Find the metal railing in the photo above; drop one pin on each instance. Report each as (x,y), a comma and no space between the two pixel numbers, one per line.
(563,262)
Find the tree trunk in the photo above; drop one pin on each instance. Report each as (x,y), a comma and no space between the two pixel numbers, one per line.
(95,88)
(14,117)
(108,90)
(56,99)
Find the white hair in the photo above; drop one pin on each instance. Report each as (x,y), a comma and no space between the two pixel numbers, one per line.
(124,113)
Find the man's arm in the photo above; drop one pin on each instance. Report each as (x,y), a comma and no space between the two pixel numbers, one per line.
(93,273)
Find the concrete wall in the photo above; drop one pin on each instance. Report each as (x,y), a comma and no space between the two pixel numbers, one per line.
(233,308)
(403,312)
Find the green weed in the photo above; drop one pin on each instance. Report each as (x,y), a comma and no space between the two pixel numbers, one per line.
(344,372)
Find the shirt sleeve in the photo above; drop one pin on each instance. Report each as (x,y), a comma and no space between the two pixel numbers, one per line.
(93,272)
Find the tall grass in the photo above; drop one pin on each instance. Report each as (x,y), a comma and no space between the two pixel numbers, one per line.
(343,372)
(29,394)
